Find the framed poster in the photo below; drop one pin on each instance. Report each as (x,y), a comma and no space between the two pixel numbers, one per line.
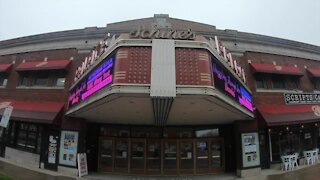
(68,148)
(250,149)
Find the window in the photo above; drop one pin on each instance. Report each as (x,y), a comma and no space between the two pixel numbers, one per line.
(316,83)
(295,82)
(260,82)
(60,82)
(25,136)
(278,82)
(40,79)
(24,78)
(3,80)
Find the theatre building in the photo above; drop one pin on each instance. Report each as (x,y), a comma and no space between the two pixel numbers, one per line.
(158,96)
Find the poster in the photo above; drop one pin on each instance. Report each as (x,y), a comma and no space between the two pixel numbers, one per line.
(52,149)
(82,164)
(250,149)
(68,148)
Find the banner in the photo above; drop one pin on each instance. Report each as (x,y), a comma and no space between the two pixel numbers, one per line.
(68,148)
(6,116)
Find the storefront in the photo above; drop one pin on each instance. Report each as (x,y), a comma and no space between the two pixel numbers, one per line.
(31,129)
(290,128)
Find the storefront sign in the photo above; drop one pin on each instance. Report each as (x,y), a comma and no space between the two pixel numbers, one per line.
(96,80)
(224,81)
(6,115)
(302,98)
(82,164)
(68,148)
(224,52)
(162,34)
(250,149)
(91,59)
(52,149)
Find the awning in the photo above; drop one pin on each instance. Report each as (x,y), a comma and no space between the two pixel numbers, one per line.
(43,65)
(276,69)
(5,67)
(35,111)
(276,115)
(314,72)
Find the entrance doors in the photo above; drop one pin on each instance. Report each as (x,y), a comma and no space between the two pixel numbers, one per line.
(186,156)
(209,155)
(161,156)
(138,160)
(106,154)
(154,154)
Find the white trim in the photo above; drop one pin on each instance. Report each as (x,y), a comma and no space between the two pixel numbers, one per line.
(40,87)
(278,90)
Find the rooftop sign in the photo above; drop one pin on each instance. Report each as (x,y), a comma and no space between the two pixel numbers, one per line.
(162,34)
(224,52)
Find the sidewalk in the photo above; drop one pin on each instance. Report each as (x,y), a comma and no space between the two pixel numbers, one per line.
(17,172)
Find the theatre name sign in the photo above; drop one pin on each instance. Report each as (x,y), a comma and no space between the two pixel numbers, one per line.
(302,98)
(162,34)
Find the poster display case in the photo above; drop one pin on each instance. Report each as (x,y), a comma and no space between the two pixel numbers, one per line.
(250,149)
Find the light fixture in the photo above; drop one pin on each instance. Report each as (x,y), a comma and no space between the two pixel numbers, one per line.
(287,128)
(316,124)
(302,126)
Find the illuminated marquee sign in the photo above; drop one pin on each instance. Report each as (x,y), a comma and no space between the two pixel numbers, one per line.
(223,51)
(224,81)
(99,78)
(162,34)
(91,59)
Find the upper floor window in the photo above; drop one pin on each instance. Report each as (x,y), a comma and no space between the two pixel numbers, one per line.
(260,82)
(40,79)
(278,82)
(24,79)
(316,83)
(294,82)
(3,80)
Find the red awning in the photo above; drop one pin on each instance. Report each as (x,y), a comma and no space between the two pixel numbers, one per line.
(276,69)
(5,67)
(314,72)
(275,115)
(43,65)
(34,111)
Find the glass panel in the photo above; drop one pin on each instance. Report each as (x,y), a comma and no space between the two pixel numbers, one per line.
(24,80)
(202,154)
(170,155)
(186,155)
(106,151)
(137,155)
(216,154)
(154,154)
(60,82)
(41,81)
(121,153)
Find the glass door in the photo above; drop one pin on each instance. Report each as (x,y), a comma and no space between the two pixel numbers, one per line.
(202,155)
(170,156)
(186,157)
(217,157)
(138,149)
(121,155)
(106,155)
(154,156)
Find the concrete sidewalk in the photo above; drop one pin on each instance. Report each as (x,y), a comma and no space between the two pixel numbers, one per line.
(17,172)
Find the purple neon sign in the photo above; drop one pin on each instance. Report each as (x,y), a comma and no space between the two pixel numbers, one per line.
(99,78)
(224,81)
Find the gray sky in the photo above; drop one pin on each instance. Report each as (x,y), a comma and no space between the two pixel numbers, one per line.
(297,20)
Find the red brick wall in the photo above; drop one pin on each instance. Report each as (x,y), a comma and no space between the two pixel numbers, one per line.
(11,92)
(276,97)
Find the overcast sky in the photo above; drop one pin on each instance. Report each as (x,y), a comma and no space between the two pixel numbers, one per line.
(297,20)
